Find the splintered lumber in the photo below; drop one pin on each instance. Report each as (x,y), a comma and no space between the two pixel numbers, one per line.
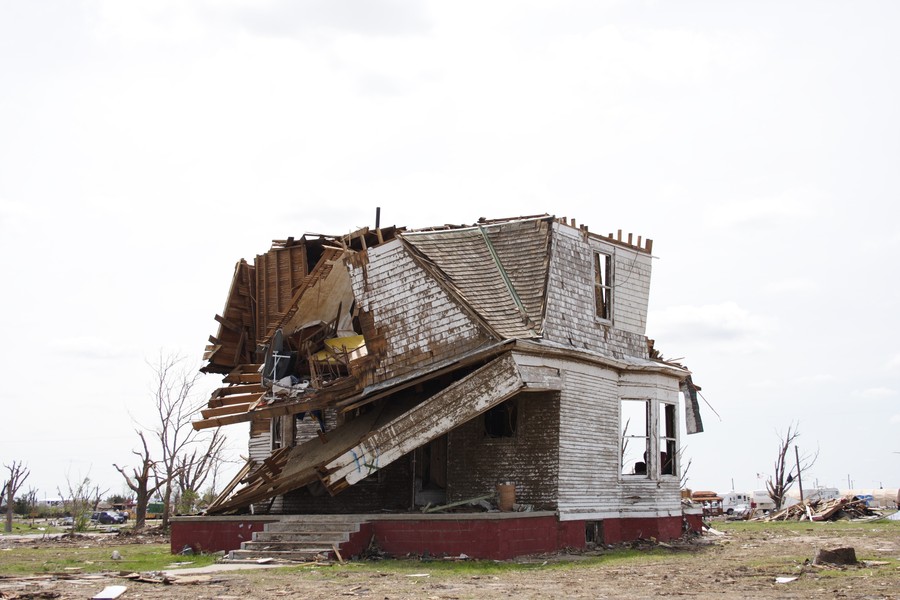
(240,399)
(431,509)
(291,468)
(848,507)
(231,485)
(244,374)
(233,409)
(224,395)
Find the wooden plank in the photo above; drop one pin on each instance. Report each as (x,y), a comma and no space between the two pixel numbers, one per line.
(226,491)
(220,411)
(449,408)
(228,324)
(233,390)
(232,400)
(110,592)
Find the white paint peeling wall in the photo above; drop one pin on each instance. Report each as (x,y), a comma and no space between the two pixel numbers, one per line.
(590,485)
(571,315)
(419,320)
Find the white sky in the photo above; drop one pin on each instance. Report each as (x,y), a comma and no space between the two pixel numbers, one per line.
(145,147)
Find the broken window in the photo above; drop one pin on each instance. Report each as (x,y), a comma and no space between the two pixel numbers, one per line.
(668,448)
(649,438)
(603,285)
(501,420)
(276,432)
(635,438)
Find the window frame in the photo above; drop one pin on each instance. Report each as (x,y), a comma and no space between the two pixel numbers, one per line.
(668,443)
(657,410)
(604,278)
(512,410)
(624,438)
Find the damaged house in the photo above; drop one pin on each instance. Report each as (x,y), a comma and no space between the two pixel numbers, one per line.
(388,372)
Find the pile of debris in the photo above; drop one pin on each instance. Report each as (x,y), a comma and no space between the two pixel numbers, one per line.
(848,507)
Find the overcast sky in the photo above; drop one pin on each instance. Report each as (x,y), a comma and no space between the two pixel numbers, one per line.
(145,147)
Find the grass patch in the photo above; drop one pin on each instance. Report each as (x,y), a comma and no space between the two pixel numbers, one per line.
(23,528)
(875,527)
(492,567)
(94,559)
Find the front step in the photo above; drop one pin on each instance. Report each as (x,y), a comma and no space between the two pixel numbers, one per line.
(299,536)
(298,556)
(311,527)
(297,539)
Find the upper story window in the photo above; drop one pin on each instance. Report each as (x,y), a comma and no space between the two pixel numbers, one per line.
(603,269)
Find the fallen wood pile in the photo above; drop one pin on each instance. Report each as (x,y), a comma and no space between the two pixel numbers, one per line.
(848,507)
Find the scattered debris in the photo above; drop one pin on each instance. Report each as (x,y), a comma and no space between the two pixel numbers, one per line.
(431,509)
(785,579)
(110,592)
(848,507)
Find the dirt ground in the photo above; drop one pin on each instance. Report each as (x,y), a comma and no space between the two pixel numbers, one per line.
(742,563)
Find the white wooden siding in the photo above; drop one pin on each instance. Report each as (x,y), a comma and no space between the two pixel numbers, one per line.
(571,312)
(589,482)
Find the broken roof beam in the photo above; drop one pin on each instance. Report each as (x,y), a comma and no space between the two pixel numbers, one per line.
(221,411)
(244,374)
(458,403)
(235,390)
(278,409)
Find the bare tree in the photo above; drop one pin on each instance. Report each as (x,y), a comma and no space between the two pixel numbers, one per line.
(139,482)
(195,468)
(18,473)
(30,499)
(182,448)
(80,499)
(786,470)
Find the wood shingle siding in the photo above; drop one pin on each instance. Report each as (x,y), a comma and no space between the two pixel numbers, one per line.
(418,321)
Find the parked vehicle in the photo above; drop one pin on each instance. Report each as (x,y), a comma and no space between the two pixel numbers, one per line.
(710,501)
(762,502)
(107,517)
(155,510)
(733,500)
(739,511)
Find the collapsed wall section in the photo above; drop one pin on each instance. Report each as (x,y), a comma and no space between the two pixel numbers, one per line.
(408,320)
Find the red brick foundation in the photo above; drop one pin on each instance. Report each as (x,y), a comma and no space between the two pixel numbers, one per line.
(212,534)
(489,538)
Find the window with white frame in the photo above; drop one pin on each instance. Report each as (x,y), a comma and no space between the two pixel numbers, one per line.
(635,438)
(603,290)
(668,442)
(649,438)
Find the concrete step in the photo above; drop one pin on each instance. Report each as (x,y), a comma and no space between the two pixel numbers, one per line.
(296,555)
(308,536)
(279,546)
(312,526)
